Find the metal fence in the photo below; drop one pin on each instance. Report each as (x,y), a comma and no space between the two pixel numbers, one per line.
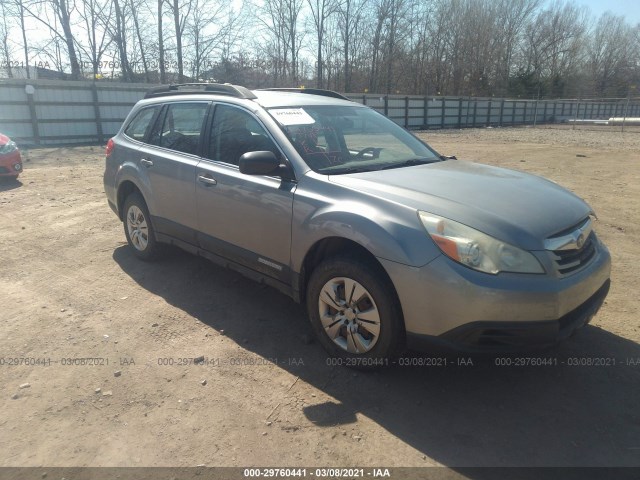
(41,112)
(46,112)
(468,112)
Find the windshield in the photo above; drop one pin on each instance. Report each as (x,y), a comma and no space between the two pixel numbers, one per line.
(343,139)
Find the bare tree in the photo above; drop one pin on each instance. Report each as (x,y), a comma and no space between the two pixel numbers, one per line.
(292,14)
(119,32)
(612,55)
(272,19)
(137,24)
(13,12)
(25,44)
(350,19)
(321,11)
(161,57)
(280,20)
(512,17)
(391,16)
(59,27)
(211,27)
(554,39)
(63,9)
(5,50)
(180,12)
(96,16)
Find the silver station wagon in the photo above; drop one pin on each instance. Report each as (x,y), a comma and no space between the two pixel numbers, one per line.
(388,243)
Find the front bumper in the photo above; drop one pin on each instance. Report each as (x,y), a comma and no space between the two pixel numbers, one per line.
(10,164)
(516,336)
(446,302)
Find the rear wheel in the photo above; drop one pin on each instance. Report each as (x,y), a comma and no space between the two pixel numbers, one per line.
(354,312)
(138,229)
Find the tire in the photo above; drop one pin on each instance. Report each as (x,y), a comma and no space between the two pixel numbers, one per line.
(363,332)
(138,228)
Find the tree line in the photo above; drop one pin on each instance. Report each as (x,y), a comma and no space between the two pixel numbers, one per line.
(525,48)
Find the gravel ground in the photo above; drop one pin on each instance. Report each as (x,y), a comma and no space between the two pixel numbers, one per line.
(268,397)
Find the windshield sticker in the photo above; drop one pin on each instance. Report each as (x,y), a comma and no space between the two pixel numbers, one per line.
(292,116)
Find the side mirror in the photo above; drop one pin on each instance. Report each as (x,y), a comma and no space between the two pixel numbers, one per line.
(259,163)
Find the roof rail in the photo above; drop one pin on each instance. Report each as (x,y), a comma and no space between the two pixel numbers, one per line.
(310,91)
(190,88)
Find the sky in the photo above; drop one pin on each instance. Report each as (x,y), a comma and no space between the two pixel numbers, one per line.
(630,9)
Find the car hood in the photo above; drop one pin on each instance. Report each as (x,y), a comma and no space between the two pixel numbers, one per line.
(515,207)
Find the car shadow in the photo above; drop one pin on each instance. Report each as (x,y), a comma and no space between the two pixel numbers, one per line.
(582,410)
(9,183)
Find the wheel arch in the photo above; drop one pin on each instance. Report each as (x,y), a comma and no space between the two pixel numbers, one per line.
(332,247)
(126,188)
(345,249)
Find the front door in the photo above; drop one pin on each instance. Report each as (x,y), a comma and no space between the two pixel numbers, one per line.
(246,218)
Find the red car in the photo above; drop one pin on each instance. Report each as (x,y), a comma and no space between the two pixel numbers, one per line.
(10,160)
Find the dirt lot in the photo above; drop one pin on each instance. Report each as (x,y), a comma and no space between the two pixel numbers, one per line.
(71,289)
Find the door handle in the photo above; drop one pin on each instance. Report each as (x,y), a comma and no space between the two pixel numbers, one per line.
(207,180)
(146,162)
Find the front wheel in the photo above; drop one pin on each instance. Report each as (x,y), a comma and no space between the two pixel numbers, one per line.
(138,228)
(354,312)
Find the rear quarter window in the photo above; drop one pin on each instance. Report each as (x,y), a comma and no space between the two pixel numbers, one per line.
(141,123)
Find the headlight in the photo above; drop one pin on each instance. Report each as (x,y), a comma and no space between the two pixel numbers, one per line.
(8,147)
(477,250)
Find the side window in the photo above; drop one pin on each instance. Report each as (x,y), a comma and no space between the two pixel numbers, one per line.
(181,127)
(141,123)
(235,132)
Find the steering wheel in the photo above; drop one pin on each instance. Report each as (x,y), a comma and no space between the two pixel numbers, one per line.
(374,151)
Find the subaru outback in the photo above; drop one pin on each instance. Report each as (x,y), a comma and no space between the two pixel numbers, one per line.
(389,244)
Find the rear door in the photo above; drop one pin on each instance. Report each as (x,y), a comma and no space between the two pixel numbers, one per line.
(246,218)
(169,160)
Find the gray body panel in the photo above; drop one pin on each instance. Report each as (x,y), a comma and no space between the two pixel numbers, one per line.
(516,207)
(172,173)
(389,230)
(252,213)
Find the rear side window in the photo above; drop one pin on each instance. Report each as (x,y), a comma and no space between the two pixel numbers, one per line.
(182,126)
(141,123)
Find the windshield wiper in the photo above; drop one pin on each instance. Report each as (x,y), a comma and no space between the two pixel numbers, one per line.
(410,163)
(347,170)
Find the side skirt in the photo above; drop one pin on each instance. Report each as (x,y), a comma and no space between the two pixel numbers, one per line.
(230,264)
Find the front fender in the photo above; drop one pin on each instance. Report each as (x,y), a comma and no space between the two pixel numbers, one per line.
(389,231)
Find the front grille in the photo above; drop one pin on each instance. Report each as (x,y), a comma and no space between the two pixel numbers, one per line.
(572,229)
(4,170)
(568,261)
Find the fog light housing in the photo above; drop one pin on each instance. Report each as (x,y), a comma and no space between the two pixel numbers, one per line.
(17,167)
